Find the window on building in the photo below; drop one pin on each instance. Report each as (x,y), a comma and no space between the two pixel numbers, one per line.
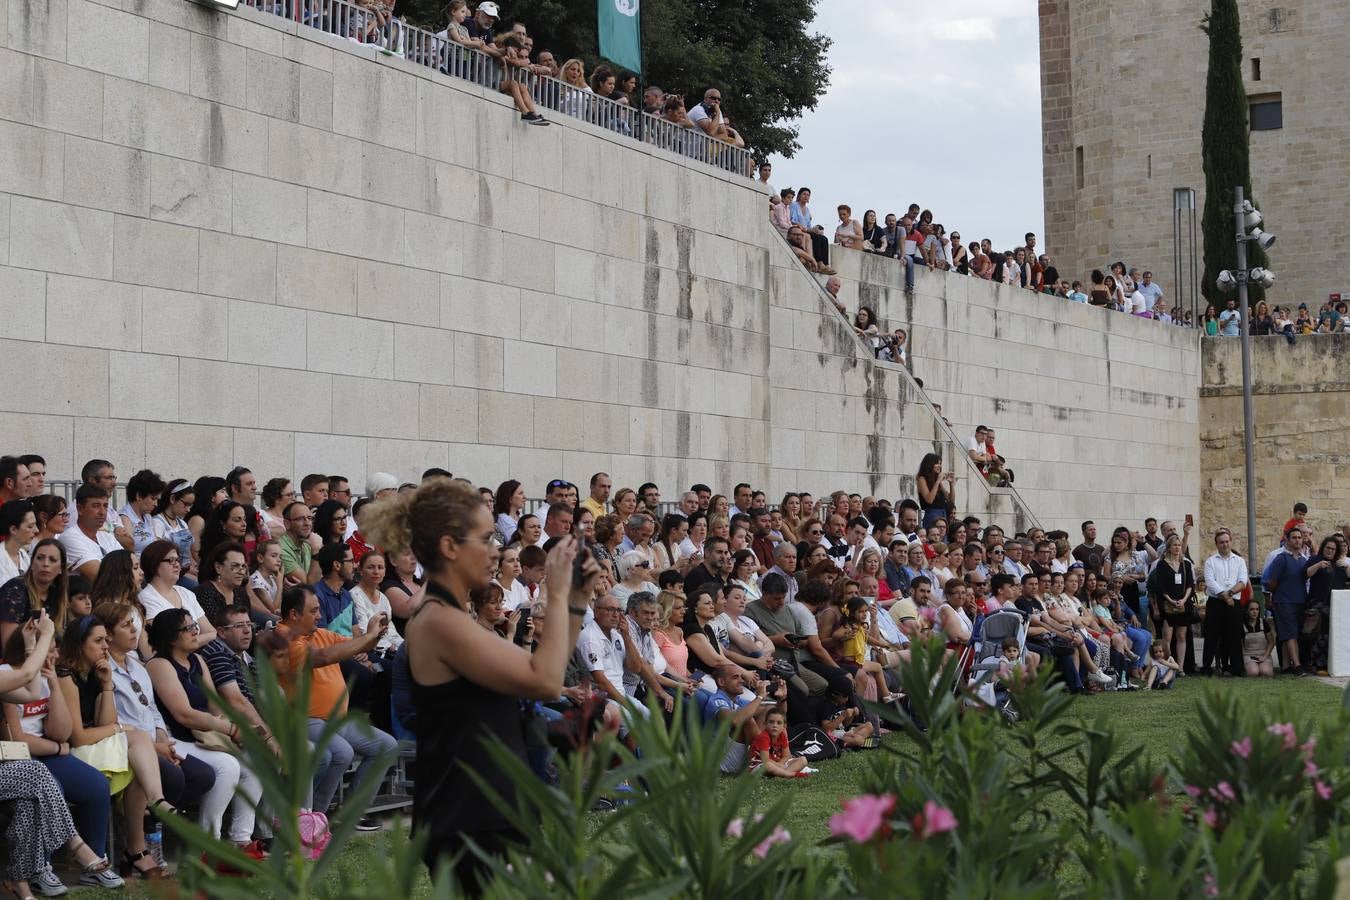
(1256,68)
(1266,112)
(1078,167)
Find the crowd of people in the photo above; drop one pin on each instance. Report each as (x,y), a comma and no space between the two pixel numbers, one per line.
(777,619)
(477,44)
(1331,318)
(915,241)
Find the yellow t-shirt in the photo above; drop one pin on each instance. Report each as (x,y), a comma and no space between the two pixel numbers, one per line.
(855,648)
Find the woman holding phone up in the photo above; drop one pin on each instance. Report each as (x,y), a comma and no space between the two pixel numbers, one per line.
(466,682)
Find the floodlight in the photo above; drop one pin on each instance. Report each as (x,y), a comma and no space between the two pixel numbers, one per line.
(1263,277)
(1261,239)
(1226,281)
(1251,217)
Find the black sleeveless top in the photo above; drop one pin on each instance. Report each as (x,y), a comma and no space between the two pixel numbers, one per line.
(453,720)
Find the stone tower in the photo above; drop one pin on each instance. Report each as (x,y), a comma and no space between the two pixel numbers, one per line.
(1122,104)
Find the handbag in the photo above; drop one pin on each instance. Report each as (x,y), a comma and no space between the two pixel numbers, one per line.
(214,740)
(109,756)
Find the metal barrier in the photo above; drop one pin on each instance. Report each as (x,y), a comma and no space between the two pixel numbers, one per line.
(371,27)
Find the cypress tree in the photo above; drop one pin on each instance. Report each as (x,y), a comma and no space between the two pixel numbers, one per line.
(1225,149)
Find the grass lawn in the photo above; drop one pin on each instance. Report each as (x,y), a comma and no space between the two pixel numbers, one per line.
(1155,721)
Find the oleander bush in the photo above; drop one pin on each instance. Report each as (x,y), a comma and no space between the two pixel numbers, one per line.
(964,804)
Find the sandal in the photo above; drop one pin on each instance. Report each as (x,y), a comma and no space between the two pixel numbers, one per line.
(163,803)
(13,892)
(130,869)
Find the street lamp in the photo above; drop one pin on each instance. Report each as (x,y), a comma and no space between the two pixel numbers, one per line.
(1248,219)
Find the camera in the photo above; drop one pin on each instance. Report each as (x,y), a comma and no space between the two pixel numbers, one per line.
(793,638)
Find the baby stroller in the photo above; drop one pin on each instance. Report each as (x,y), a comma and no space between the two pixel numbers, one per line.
(996,628)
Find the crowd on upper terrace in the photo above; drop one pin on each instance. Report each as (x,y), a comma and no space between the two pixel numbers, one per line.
(1331,318)
(778,621)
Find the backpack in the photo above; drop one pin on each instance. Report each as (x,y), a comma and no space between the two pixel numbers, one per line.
(811,742)
(314,833)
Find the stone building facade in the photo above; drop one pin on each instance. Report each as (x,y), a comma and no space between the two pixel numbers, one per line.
(1123,99)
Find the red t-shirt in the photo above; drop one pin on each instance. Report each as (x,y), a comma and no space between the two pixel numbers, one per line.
(778,750)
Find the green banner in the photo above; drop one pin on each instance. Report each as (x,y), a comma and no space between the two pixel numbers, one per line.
(621,33)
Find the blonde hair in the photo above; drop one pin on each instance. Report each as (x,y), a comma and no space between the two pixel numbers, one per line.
(668,599)
(418,519)
(581,78)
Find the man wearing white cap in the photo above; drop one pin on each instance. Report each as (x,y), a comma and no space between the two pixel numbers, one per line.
(484,18)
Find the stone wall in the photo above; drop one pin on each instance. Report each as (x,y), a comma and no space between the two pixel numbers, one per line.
(1301,395)
(1137,94)
(1095,411)
(226,238)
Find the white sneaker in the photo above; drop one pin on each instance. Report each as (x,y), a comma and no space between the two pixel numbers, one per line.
(1101,677)
(48,885)
(810,771)
(100,874)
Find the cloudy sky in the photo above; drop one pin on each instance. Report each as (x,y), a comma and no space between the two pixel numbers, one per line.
(930,103)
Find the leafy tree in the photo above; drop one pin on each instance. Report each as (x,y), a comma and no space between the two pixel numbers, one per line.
(760,53)
(1225,148)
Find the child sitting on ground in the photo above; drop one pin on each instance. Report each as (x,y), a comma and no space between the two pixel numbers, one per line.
(1163,669)
(844,722)
(770,750)
(854,648)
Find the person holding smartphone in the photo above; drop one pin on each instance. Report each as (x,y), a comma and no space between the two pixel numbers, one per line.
(324,651)
(467,684)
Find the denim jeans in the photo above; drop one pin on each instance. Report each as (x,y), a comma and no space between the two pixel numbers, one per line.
(909,272)
(86,790)
(350,741)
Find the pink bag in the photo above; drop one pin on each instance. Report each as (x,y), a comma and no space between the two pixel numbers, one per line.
(314,833)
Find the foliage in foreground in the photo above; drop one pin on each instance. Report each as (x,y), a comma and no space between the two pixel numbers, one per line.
(1247,807)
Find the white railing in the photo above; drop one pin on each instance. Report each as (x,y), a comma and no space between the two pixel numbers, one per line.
(394,37)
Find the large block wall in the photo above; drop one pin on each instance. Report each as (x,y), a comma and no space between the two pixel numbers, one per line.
(227,239)
(1300,394)
(1132,73)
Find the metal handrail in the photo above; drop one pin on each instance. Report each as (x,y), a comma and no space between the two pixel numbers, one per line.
(397,38)
(942,425)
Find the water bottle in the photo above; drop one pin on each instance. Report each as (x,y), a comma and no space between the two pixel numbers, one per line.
(154,842)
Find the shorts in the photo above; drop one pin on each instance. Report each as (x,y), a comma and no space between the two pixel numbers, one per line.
(1178,620)
(1288,620)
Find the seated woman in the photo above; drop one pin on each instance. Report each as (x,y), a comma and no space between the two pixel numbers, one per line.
(163,591)
(223,573)
(705,654)
(185,781)
(635,570)
(43,724)
(1258,642)
(42,586)
(514,60)
(38,822)
(800,245)
(86,678)
(181,681)
(119,581)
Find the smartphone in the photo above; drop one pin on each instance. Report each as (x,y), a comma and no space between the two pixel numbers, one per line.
(1190,519)
(579,562)
(34,615)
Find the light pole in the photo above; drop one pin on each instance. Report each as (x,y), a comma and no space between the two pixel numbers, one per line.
(1248,221)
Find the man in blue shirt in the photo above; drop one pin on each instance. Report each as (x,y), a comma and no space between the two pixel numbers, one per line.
(746,717)
(336,564)
(1286,582)
(1230,320)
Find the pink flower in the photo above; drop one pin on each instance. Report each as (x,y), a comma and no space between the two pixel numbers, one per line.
(937,820)
(1242,748)
(1323,789)
(1310,769)
(735,828)
(1193,790)
(780,836)
(863,816)
(1211,886)
(1211,818)
(1285,730)
(929,614)
(1223,791)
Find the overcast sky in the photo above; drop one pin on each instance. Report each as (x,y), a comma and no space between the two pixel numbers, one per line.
(929,103)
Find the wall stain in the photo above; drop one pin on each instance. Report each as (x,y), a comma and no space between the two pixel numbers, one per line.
(484,202)
(684,249)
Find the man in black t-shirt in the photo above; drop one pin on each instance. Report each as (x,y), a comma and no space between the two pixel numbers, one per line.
(1091,554)
(716,566)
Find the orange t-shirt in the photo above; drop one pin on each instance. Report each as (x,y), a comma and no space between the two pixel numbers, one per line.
(327,687)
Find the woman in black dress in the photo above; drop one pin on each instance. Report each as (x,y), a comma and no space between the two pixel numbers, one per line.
(937,492)
(467,682)
(1172,588)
